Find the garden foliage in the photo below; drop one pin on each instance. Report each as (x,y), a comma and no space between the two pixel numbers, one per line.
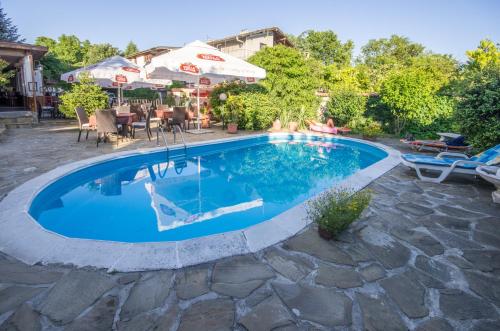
(83,94)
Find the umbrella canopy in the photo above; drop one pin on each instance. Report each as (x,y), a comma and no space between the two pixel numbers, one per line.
(116,72)
(202,64)
(198,59)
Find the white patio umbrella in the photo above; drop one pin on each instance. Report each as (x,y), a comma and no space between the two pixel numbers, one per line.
(115,72)
(202,64)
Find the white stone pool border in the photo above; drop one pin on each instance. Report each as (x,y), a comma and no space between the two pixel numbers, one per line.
(24,238)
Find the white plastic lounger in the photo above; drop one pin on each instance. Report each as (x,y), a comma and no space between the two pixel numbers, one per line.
(448,163)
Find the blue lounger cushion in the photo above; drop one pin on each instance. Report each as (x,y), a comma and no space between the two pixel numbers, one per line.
(432,160)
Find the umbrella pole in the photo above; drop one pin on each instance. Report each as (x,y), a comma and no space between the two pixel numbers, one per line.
(198,102)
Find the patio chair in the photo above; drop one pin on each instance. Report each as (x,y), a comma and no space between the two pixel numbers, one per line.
(447,163)
(179,117)
(190,118)
(106,123)
(146,124)
(83,122)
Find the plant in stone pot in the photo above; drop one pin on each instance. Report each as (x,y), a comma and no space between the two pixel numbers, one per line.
(234,107)
(277,125)
(336,209)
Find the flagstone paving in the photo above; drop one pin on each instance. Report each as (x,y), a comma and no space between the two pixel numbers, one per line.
(422,257)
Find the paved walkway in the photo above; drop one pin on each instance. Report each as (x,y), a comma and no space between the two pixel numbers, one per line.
(423,256)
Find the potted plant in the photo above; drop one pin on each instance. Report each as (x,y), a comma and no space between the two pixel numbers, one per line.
(334,210)
(293,126)
(233,107)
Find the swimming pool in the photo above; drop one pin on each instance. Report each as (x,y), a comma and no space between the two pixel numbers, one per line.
(196,192)
(150,209)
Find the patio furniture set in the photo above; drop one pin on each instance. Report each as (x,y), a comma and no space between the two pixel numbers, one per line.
(124,120)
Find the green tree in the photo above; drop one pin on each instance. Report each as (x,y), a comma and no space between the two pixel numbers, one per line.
(99,52)
(84,94)
(5,75)
(291,79)
(8,31)
(411,97)
(345,106)
(478,107)
(326,47)
(130,49)
(487,53)
(69,50)
(381,56)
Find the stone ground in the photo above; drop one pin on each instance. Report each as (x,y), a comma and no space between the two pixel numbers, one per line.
(422,257)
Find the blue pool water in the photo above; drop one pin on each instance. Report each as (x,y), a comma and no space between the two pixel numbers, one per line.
(205,190)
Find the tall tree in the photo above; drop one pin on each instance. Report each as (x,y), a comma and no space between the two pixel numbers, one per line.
(5,75)
(130,49)
(99,52)
(379,57)
(8,31)
(485,54)
(325,46)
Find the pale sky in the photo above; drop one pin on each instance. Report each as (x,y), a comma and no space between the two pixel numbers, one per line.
(443,26)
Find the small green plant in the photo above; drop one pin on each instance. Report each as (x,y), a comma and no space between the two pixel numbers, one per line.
(370,128)
(335,209)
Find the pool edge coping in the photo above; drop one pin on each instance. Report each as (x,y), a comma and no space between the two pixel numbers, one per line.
(25,239)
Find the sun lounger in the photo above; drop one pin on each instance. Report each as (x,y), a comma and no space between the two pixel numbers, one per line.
(324,128)
(448,162)
(456,144)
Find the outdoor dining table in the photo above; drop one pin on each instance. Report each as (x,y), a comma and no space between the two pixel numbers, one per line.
(125,119)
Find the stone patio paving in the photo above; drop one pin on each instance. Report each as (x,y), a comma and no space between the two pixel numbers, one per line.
(423,257)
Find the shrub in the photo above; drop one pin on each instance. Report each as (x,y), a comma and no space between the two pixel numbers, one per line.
(256,111)
(411,95)
(84,94)
(478,108)
(335,209)
(345,105)
(369,128)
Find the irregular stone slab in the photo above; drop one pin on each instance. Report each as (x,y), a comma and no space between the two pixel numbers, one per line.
(385,248)
(372,272)
(100,317)
(208,315)
(407,294)
(434,268)
(458,212)
(420,240)
(169,320)
(452,223)
(358,253)
(20,273)
(73,294)
(25,318)
(143,322)
(310,243)
(484,260)
(191,282)
(148,293)
(459,262)
(488,224)
(14,296)
(291,266)
(435,324)
(454,241)
(487,326)
(462,306)
(324,306)
(414,209)
(487,239)
(267,315)
(487,287)
(129,278)
(258,296)
(423,278)
(378,315)
(338,277)
(239,276)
